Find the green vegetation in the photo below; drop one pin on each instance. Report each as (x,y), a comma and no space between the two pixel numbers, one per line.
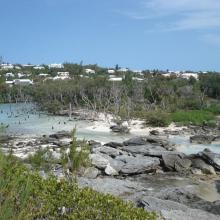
(195,117)
(78,155)
(124,99)
(25,195)
(41,160)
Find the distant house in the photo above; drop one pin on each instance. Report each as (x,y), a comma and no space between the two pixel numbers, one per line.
(137,79)
(90,71)
(20,75)
(23,82)
(63,74)
(56,66)
(123,70)
(115,79)
(43,75)
(7,66)
(28,65)
(17,67)
(111,71)
(10,83)
(137,71)
(188,75)
(7,75)
(39,67)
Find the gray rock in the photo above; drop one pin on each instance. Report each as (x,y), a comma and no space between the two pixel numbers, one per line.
(189,214)
(204,167)
(61,134)
(140,164)
(135,141)
(119,129)
(154,132)
(153,204)
(91,173)
(110,171)
(149,150)
(187,196)
(112,152)
(171,210)
(114,144)
(211,158)
(98,161)
(116,187)
(175,162)
(202,139)
(94,144)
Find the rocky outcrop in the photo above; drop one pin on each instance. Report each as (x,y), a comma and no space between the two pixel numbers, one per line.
(176,163)
(119,129)
(202,139)
(171,210)
(139,164)
(212,158)
(61,134)
(204,167)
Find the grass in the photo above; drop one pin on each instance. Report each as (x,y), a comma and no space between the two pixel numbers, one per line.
(195,117)
(25,195)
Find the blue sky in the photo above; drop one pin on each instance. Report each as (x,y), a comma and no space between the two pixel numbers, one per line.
(140,34)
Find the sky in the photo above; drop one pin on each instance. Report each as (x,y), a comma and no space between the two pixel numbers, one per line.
(139,34)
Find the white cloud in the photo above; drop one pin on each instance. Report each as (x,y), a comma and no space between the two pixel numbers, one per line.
(173,15)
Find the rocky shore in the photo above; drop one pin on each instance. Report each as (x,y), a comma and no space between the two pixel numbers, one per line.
(147,170)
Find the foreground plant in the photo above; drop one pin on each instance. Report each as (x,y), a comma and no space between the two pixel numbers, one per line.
(25,195)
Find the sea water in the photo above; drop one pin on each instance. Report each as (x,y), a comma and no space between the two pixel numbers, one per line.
(24,119)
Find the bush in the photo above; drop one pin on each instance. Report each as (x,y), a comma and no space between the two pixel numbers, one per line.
(41,160)
(195,117)
(25,196)
(157,119)
(78,155)
(214,108)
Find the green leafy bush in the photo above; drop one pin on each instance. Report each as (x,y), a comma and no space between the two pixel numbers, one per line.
(25,195)
(157,119)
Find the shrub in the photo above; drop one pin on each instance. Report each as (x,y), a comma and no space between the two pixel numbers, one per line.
(78,155)
(41,160)
(157,119)
(25,195)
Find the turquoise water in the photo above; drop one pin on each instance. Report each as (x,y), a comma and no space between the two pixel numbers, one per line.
(25,120)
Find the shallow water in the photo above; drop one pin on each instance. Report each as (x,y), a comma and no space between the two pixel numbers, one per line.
(24,120)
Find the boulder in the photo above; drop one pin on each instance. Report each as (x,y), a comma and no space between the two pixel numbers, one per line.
(112,152)
(91,173)
(114,144)
(61,134)
(175,162)
(149,150)
(119,129)
(201,139)
(212,158)
(118,187)
(98,161)
(110,171)
(94,144)
(188,196)
(171,210)
(140,164)
(135,141)
(154,132)
(204,167)
(189,214)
